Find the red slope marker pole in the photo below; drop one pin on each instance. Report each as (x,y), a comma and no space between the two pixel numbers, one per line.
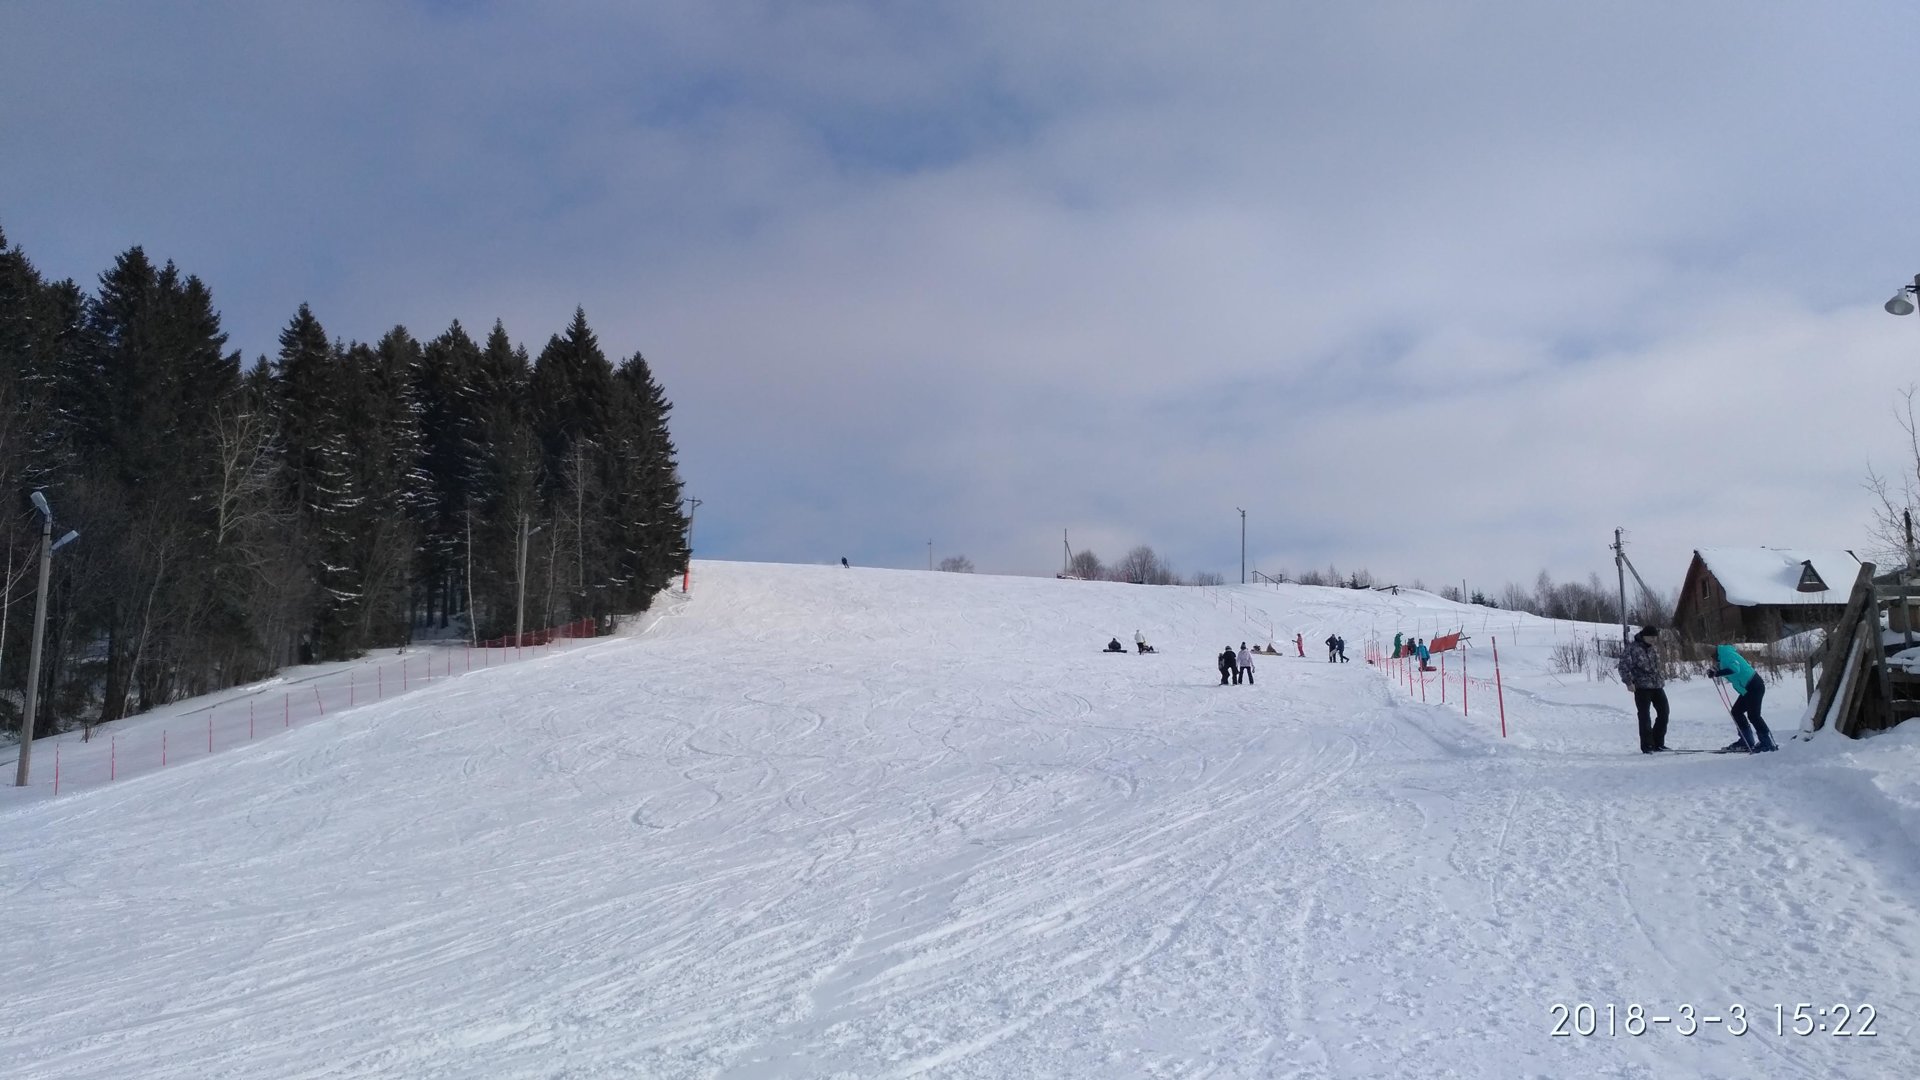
(1498,689)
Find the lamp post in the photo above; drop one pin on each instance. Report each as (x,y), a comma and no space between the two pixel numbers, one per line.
(520,586)
(47,548)
(1243,546)
(686,574)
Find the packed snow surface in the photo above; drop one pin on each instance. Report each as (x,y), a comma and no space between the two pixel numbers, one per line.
(817,822)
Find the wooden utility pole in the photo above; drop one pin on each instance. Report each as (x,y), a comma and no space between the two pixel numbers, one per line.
(1243,546)
(1620,568)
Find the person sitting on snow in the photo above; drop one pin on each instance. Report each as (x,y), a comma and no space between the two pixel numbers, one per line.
(1115,646)
(1747,683)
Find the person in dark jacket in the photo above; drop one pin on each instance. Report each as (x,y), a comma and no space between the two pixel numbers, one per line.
(1113,645)
(1226,662)
(1333,648)
(1639,668)
(1340,646)
(1746,682)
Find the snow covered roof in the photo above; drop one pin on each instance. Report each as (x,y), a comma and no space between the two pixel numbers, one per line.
(1772,576)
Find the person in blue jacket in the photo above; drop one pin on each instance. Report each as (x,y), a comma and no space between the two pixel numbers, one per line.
(1754,736)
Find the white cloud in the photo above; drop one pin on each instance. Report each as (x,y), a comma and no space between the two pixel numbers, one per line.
(1438,289)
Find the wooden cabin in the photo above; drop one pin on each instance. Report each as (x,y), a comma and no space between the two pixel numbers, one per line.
(1762,594)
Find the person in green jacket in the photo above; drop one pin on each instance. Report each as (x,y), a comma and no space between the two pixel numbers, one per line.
(1396,646)
(1754,736)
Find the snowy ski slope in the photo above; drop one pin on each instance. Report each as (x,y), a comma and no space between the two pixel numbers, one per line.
(829,823)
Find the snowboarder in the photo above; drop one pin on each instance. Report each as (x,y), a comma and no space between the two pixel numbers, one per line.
(1333,648)
(1340,646)
(1420,651)
(1246,664)
(1225,661)
(1115,646)
(1140,642)
(1747,683)
(1300,642)
(844,563)
(1639,668)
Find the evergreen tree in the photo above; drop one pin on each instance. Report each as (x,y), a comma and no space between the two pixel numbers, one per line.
(448,398)
(310,506)
(571,392)
(649,527)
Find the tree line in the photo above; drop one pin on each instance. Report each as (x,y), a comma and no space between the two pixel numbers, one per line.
(336,497)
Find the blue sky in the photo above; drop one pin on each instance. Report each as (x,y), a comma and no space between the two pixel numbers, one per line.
(1447,291)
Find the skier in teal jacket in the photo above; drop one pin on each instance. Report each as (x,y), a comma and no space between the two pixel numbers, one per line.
(1747,683)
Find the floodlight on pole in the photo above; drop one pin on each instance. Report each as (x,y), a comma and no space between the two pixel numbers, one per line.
(1902,302)
(47,548)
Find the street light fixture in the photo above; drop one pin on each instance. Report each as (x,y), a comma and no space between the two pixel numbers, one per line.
(47,547)
(1902,302)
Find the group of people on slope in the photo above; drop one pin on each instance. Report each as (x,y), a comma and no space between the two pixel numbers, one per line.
(1411,650)
(1640,669)
(1139,642)
(1236,665)
(1336,649)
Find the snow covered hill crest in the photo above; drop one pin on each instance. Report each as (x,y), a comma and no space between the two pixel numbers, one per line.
(817,822)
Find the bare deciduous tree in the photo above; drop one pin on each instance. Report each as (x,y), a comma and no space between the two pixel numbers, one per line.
(1087,565)
(957,564)
(1894,498)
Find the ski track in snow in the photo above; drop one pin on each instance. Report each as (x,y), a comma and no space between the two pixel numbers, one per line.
(827,823)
